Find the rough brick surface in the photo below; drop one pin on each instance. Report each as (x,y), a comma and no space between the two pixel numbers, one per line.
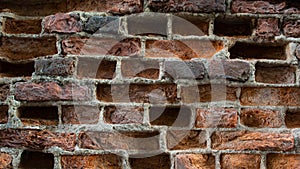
(95,68)
(55,66)
(17,26)
(229,161)
(102,24)
(206,161)
(292,117)
(3,114)
(277,161)
(80,114)
(123,115)
(267,28)
(62,23)
(184,69)
(140,68)
(275,74)
(291,28)
(185,139)
(4,91)
(5,160)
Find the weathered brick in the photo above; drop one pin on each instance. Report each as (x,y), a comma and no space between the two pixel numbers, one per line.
(4,91)
(233,26)
(18,26)
(101,46)
(232,70)
(161,161)
(147,93)
(107,161)
(123,115)
(270,96)
(34,159)
(190,25)
(21,48)
(254,117)
(3,114)
(275,74)
(195,161)
(80,114)
(118,7)
(229,161)
(8,69)
(102,24)
(177,116)
(35,115)
(50,91)
(138,141)
(186,139)
(297,52)
(184,69)
(55,66)
(279,161)
(291,28)
(62,23)
(131,68)
(216,117)
(292,118)
(267,28)
(187,6)
(243,140)
(183,49)
(265,6)
(208,93)
(36,139)
(5,161)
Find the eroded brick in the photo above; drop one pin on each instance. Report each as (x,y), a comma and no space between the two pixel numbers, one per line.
(291,28)
(140,68)
(102,24)
(4,91)
(55,66)
(123,115)
(184,69)
(62,23)
(185,139)
(267,28)
(197,161)
(229,161)
(80,114)
(292,118)
(18,26)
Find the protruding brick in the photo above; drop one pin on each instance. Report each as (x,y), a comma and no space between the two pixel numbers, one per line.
(51,91)
(32,159)
(138,141)
(184,69)
(183,49)
(9,69)
(161,161)
(140,68)
(147,93)
(80,114)
(95,68)
(292,118)
(279,161)
(36,139)
(233,26)
(190,25)
(291,28)
(186,139)
(267,28)
(4,91)
(275,74)
(270,96)
(123,115)
(55,66)
(229,161)
(3,114)
(34,115)
(101,46)
(22,48)
(5,161)
(107,161)
(18,26)
(216,117)
(62,23)
(242,140)
(197,161)
(187,6)
(254,117)
(102,24)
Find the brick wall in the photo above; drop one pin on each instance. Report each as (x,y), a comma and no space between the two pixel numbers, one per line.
(150,84)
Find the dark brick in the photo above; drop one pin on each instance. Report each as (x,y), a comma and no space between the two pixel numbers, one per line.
(18,26)
(123,115)
(194,161)
(62,23)
(12,69)
(34,159)
(55,66)
(291,28)
(3,114)
(102,24)
(140,68)
(233,26)
(38,115)
(161,161)
(4,91)
(184,69)
(292,118)
(190,25)
(80,114)
(186,139)
(229,161)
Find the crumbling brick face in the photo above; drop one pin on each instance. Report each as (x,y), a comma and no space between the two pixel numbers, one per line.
(143,84)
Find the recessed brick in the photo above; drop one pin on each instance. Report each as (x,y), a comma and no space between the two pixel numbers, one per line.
(267,28)
(186,139)
(31,115)
(216,117)
(243,140)
(278,161)
(55,66)
(291,28)
(123,115)
(18,26)
(233,26)
(80,114)
(140,68)
(206,161)
(102,24)
(5,161)
(254,117)
(184,69)
(229,161)
(31,159)
(292,118)
(3,114)
(186,25)
(10,69)
(62,23)
(162,161)
(107,161)
(4,91)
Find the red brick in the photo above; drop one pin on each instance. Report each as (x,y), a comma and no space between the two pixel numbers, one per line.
(4,91)
(101,46)
(21,48)
(279,161)
(187,6)
(5,161)
(233,26)
(184,49)
(147,93)
(36,139)
(96,68)
(119,7)
(184,70)
(161,161)
(275,74)
(123,115)
(194,161)
(3,114)
(18,26)
(80,114)
(62,23)
(292,118)
(267,28)
(242,140)
(8,69)
(35,115)
(270,96)
(216,117)
(107,161)
(55,66)
(140,68)
(186,139)
(254,117)
(229,161)
(190,25)
(50,91)
(291,28)
(138,141)
(34,159)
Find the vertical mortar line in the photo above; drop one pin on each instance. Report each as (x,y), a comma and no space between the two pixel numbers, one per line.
(57,161)
(76,62)
(172,160)
(1,24)
(118,70)
(17,159)
(60,124)
(228,6)
(208,133)
(218,160)
(143,47)
(123,26)
(146,117)
(263,162)
(163,139)
(211,25)
(13,120)
(101,116)
(59,44)
(169,27)
(161,69)
(283,115)
(125,162)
